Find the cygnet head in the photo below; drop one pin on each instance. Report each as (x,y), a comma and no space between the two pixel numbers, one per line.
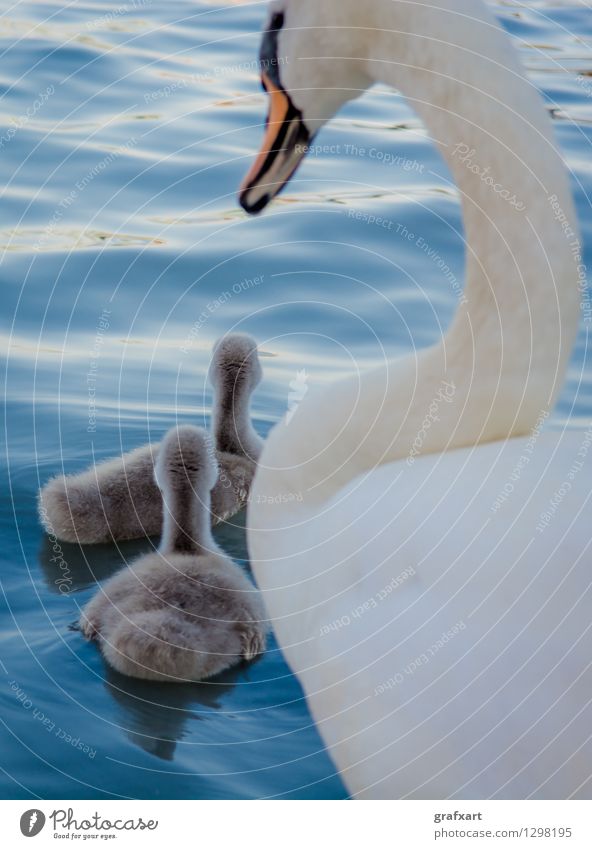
(186,458)
(235,364)
(185,471)
(234,373)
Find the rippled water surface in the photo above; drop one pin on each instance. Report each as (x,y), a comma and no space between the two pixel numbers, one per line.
(126,129)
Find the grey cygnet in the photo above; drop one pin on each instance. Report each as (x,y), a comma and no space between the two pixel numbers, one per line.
(118,499)
(186,612)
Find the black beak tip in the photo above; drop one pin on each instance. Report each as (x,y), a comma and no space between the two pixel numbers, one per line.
(257,206)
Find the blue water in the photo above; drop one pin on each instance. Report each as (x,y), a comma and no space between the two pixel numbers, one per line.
(126,130)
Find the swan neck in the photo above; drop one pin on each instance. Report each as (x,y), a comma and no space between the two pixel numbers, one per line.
(497,370)
(461,74)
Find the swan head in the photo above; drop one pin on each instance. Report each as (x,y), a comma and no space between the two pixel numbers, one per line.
(308,76)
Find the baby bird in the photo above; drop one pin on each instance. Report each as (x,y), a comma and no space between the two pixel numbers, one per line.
(118,499)
(186,612)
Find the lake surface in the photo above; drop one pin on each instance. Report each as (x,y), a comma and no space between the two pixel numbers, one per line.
(126,129)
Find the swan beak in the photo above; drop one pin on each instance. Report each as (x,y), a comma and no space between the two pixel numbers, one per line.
(284,145)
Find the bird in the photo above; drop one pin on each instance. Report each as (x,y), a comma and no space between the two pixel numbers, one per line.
(423,547)
(118,499)
(185,612)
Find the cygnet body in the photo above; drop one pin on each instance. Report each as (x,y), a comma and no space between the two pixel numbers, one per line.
(186,612)
(118,499)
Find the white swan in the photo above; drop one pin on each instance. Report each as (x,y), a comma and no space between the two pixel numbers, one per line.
(436,603)
(118,499)
(186,612)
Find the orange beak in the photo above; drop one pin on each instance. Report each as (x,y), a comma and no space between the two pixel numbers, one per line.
(284,145)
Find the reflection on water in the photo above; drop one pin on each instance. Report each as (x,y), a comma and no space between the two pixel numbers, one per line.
(68,240)
(68,567)
(121,241)
(154,717)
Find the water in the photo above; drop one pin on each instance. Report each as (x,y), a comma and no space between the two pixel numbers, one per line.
(124,255)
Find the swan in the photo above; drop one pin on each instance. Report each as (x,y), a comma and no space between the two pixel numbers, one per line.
(430,586)
(186,612)
(118,499)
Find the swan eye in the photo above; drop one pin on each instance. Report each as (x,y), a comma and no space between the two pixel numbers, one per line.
(277,21)
(268,53)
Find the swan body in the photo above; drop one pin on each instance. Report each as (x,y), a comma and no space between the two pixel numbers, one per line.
(186,612)
(430,585)
(439,619)
(118,499)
